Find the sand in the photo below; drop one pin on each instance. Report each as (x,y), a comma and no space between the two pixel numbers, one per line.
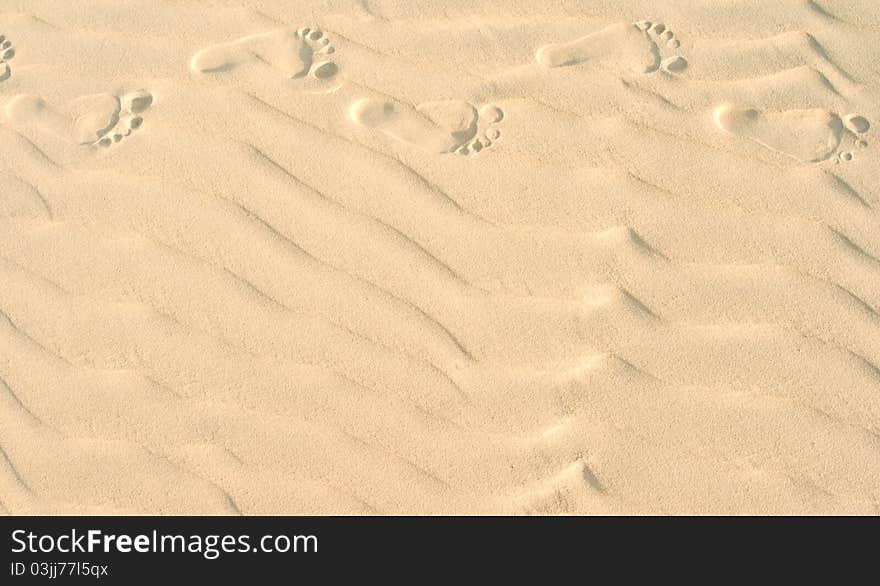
(424,257)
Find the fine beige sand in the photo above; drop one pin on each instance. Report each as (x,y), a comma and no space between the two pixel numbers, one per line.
(435,257)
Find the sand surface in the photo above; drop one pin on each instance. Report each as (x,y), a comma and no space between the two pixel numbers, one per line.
(386,256)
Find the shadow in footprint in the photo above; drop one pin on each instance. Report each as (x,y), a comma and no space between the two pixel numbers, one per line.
(7,52)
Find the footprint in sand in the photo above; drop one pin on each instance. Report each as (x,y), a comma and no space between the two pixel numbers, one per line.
(809,136)
(640,47)
(294,54)
(97,120)
(442,127)
(7,52)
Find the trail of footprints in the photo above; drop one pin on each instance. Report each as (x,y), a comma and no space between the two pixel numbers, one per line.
(441,126)
(809,136)
(447,126)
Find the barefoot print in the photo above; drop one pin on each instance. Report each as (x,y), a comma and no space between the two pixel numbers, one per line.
(441,127)
(856,126)
(664,39)
(809,136)
(130,107)
(7,52)
(640,47)
(96,120)
(301,54)
(487,132)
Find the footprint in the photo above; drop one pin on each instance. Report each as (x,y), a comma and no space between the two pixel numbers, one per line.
(293,53)
(99,119)
(809,136)
(442,126)
(639,47)
(664,39)
(131,105)
(7,52)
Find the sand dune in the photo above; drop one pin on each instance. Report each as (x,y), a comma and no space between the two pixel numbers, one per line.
(439,257)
